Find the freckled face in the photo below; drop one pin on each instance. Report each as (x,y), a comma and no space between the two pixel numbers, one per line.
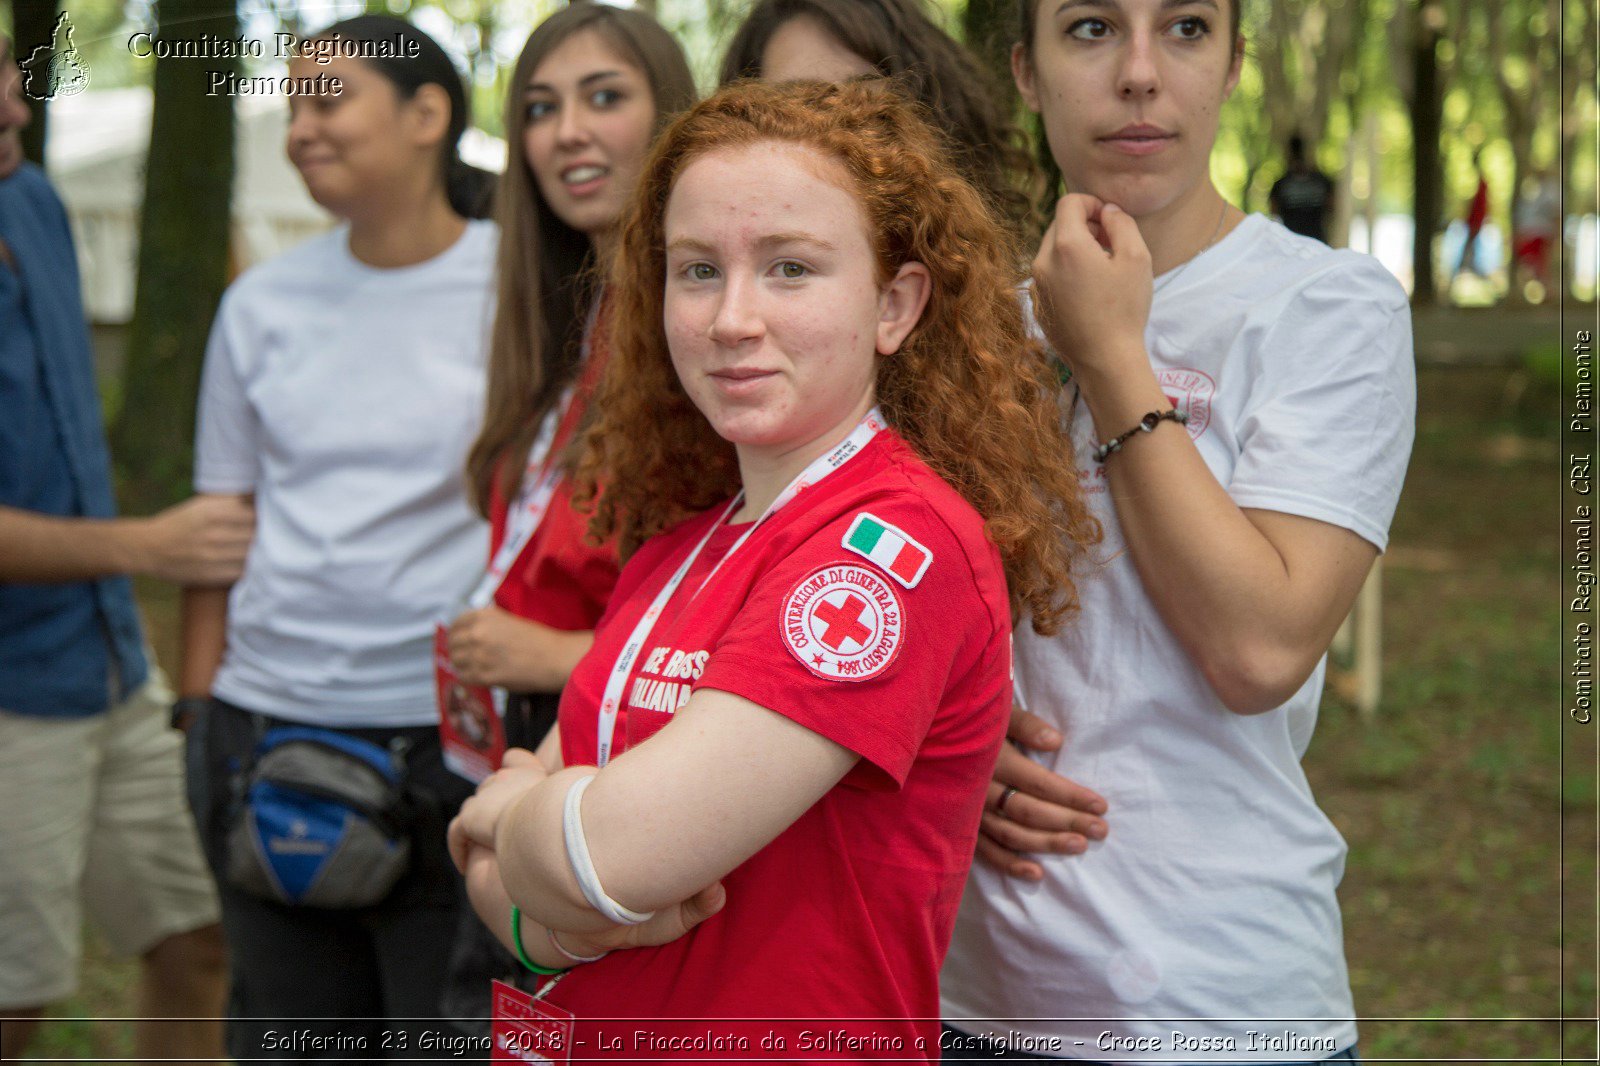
(802,49)
(1131,92)
(772,302)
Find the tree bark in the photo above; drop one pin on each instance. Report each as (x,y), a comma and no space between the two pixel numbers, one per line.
(1427,119)
(183,260)
(32,22)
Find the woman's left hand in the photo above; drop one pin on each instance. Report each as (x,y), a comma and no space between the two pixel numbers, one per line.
(1092,285)
(488,897)
(480,815)
(492,646)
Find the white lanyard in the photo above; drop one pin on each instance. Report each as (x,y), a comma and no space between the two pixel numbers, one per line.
(819,468)
(524,515)
(539,483)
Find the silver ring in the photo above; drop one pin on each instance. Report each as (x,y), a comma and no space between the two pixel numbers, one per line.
(1005,798)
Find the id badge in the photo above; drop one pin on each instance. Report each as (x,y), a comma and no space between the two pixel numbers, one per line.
(471,730)
(526,1029)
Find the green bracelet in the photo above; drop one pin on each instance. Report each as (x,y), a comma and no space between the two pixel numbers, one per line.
(522,953)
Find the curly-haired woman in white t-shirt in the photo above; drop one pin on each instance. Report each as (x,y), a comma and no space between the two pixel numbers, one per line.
(1243,411)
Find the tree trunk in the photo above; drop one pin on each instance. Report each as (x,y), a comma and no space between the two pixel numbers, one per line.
(183,260)
(1427,119)
(32,22)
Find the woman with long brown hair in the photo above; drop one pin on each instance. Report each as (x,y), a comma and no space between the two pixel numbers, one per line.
(591,89)
(780,740)
(835,40)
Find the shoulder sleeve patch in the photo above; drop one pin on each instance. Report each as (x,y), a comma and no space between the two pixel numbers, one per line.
(889,547)
(843,622)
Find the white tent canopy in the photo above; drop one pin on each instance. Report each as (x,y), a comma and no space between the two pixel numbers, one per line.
(96,157)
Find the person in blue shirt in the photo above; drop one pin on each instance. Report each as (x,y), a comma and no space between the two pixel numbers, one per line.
(92,809)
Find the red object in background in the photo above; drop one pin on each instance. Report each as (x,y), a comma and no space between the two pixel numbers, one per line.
(472,731)
(1478,211)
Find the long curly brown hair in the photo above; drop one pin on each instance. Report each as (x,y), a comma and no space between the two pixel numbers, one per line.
(901,40)
(972,394)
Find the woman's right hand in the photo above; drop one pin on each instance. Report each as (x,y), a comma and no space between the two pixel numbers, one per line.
(1093,286)
(1046,812)
(667,925)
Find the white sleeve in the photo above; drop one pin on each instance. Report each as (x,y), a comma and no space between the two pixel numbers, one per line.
(227,432)
(1332,434)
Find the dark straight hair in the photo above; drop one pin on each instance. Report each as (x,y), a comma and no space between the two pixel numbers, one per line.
(902,42)
(468,189)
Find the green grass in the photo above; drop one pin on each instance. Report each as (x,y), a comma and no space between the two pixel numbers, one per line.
(1452,800)
(106,990)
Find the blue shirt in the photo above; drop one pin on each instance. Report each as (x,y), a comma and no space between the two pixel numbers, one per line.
(66,650)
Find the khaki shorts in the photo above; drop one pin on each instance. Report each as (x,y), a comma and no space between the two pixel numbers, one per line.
(93,813)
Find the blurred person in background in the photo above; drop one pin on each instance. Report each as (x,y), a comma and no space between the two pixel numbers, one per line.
(1303,198)
(92,812)
(344,383)
(592,88)
(1537,239)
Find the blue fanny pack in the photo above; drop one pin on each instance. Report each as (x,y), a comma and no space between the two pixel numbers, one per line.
(324,820)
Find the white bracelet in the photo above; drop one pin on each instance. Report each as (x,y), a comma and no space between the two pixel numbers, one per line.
(583,866)
(570,955)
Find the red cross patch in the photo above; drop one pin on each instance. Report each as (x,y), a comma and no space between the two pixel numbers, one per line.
(844,622)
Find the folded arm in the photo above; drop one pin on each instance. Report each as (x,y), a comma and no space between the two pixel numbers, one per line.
(673,815)
(1253,596)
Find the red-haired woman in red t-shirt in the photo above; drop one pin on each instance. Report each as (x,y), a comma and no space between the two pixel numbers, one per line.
(765,788)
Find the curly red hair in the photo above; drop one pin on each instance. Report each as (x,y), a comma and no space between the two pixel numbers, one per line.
(973,395)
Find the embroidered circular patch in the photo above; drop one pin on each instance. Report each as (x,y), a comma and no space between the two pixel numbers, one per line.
(1190,392)
(844,622)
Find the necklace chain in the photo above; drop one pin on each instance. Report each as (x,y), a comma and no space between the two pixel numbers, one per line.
(1221,218)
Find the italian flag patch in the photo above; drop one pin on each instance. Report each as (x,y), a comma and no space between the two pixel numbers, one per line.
(890,547)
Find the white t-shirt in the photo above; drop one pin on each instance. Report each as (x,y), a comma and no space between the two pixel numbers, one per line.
(1213,896)
(346,397)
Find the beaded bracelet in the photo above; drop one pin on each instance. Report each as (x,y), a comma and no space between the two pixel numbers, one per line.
(1102,452)
(522,953)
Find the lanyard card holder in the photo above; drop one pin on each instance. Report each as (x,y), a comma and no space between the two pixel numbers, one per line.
(472,732)
(526,1029)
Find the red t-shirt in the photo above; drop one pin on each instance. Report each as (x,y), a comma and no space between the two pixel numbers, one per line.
(560,580)
(845,918)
